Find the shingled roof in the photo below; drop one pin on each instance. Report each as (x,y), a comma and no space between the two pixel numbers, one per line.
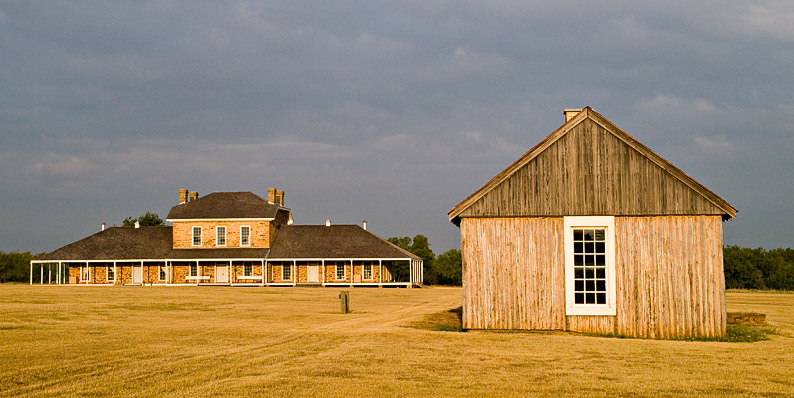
(336,241)
(227,205)
(117,243)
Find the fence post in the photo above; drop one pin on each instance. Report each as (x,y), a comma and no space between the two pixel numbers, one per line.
(344,302)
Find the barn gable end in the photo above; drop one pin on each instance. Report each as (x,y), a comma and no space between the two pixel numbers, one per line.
(591,167)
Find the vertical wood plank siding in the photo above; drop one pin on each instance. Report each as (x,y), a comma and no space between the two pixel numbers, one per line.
(590,171)
(669,276)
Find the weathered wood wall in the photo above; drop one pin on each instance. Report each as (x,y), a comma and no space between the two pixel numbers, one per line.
(669,277)
(589,171)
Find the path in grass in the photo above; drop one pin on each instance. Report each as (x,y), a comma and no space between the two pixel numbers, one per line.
(68,341)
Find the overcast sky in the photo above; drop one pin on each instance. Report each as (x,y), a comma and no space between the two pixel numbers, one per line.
(391,112)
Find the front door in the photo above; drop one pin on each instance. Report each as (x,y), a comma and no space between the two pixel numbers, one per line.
(222,273)
(312,275)
(137,274)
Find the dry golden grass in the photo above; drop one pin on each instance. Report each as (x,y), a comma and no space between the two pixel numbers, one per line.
(92,341)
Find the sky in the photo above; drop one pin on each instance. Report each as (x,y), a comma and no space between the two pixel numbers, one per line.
(391,112)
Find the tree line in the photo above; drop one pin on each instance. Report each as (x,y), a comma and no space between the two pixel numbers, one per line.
(745,268)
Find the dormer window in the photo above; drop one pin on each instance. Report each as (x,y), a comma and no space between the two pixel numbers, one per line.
(220,236)
(196,236)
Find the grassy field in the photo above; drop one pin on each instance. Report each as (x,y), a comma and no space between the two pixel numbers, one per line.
(91,341)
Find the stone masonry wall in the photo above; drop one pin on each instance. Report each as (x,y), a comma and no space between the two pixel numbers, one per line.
(183,233)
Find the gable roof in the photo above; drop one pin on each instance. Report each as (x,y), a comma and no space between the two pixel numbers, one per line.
(335,241)
(669,182)
(225,205)
(117,243)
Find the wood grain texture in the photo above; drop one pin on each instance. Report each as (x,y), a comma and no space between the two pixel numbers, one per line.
(590,171)
(669,276)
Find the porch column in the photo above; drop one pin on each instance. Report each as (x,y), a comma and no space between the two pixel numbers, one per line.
(31,273)
(115,274)
(411,271)
(380,271)
(351,271)
(58,278)
(265,269)
(41,273)
(323,268)
(294,271)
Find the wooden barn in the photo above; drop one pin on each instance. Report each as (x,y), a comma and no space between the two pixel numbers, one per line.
(591,231)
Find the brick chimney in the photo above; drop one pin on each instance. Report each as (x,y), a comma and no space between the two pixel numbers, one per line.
(193,196)
(182,196)
(570,113)
(280,198)
(271,195)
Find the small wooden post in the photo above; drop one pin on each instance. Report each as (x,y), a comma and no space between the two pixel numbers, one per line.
(344,302)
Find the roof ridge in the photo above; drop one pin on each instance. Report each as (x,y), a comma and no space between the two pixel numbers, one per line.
(589,113)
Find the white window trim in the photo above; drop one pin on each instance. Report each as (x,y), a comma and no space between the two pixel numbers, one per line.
(217,242)
(241,235)
(363,266)
(108,269)
(85,277)
(248,264)
(284,268)
(190,270)
(344,270)
(607,222)
(193,235)
(165,269)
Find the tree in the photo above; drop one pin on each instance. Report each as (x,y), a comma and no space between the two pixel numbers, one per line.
(420,247)
(146,220)
(449,267)
(14,266)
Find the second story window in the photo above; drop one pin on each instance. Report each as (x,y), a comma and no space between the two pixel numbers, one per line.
(196,236)
(245,235)
(220,236)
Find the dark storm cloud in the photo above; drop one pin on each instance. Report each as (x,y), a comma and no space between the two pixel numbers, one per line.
(390,112)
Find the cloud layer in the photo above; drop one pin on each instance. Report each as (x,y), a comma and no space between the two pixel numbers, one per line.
(387,112)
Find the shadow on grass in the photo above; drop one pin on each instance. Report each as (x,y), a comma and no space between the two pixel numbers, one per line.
(734,333)
(444,321)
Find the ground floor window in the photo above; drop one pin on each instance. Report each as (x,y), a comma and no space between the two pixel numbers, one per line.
(162,273)
(193,270)
(286,272)
(367,271)
(340,271)
(111,274)
(590,265)
(84,274)
(248,269)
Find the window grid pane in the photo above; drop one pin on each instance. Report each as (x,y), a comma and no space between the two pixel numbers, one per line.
(248,269)
(196,236)
(286,272)
(221,236)
(589,253)
(367,271)
(245,233)
(340,271)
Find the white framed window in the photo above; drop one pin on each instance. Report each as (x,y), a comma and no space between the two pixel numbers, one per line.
(341,273)
(161,273)
(196,236)
(286,272)
(110,273)
(193,270)
(366,272)
(85,273)
(590,265)
(220,236)
(248,269)
(245,235)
